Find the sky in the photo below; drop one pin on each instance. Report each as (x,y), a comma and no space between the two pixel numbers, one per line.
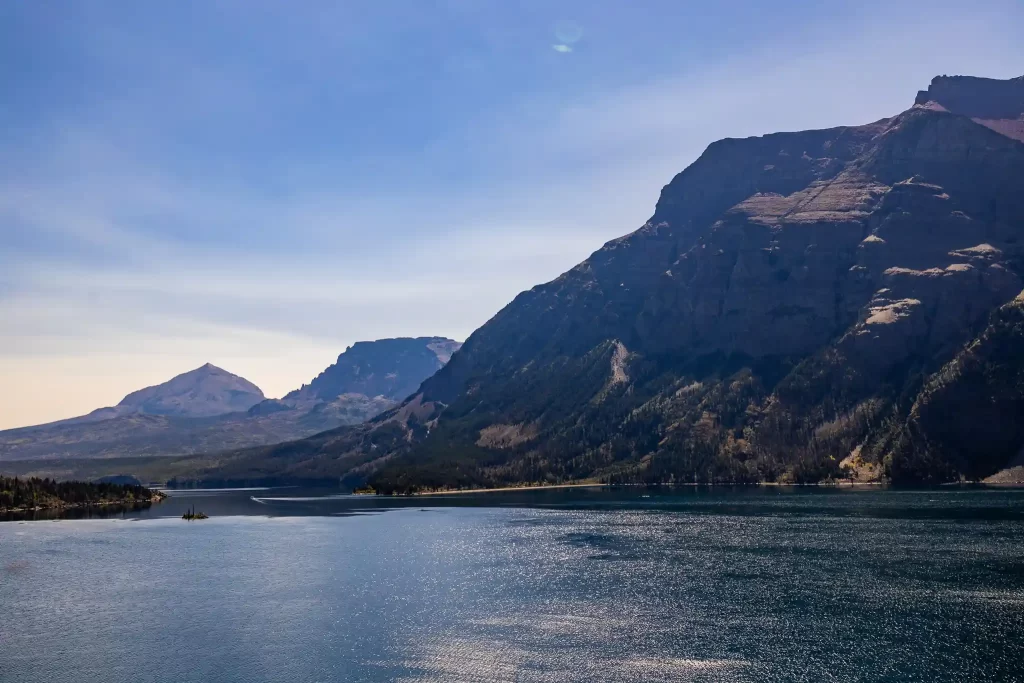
(259,184)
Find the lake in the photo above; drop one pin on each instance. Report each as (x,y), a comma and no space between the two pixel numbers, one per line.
(757,584)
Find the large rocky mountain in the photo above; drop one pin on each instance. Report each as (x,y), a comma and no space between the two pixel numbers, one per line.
(210,409)
(801,306)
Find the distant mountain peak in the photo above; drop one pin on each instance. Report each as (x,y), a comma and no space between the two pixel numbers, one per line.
(208,408)
(203,392)
(207,369)
(392,368)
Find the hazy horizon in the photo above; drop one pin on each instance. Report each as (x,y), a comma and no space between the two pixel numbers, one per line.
(259,186)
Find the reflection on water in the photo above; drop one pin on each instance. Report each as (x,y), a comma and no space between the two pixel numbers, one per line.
(712,585)
(97,512)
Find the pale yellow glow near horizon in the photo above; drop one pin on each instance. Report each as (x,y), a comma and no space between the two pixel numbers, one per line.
(40,389)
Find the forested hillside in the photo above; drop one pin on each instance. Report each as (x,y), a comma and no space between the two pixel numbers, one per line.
(34,493)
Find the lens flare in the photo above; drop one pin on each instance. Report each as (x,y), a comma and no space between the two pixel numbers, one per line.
(568,32)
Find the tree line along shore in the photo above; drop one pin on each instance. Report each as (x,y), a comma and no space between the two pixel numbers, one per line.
(23,494)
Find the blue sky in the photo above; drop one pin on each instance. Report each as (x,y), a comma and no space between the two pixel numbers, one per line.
(259,184)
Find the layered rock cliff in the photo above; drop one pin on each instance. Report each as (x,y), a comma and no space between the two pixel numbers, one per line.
(783,315)
(996,104)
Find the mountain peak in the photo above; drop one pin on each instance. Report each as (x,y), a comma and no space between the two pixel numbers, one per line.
(992,102)
(206,391)
(208,369)
(392,368)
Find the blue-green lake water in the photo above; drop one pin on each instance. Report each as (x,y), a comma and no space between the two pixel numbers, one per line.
(290,586)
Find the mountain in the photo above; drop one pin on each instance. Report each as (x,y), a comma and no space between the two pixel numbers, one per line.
(992,103)
(800,306)
(967,417)
(209,409)
(392,368)
(203,392)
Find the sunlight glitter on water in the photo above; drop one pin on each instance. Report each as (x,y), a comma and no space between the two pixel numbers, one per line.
(708,587)
(547,648)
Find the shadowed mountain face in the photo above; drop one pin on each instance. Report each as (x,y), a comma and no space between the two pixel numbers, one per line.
(209,409)
(787,313)
(392,368)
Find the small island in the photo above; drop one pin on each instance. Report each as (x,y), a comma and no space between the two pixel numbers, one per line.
(33,494)
(191,514)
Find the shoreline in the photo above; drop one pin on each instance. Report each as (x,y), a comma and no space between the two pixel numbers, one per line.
(838,484)
(538,487)
(71,506)
(541,487)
